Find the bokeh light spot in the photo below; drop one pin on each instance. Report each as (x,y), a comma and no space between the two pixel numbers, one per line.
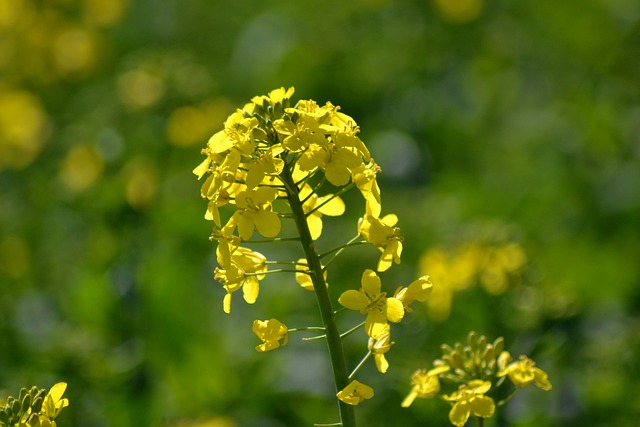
(459,10)
(81,168)
(24,128)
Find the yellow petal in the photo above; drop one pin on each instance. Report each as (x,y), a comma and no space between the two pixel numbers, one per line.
(482,406)
(459,414)
(250,290)
(409,399)
(333,207)
(314,222)
(267,223)
(337,174)
(57,391)
(245,225)
(202,168)
(395,310)
(371,282)
(353,300)
(381,363)
(541,379)
(226,303)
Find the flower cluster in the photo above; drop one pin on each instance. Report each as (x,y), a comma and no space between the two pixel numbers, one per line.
(34,407)
(493,265)
(275,161)
(246,164)
(479,369)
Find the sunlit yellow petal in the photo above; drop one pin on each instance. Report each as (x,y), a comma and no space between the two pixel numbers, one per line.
(371,282)
(268,223)
(459,414)
(395,310)
(482,406)
(315,226)
(353,300)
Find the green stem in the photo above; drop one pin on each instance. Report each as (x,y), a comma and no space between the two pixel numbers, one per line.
(352,330)
(357,368)
(479,421)
(336,351)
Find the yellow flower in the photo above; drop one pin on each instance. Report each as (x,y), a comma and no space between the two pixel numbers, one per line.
(378,347)
(371,301)
(254,212)
(304,133)
(470,400)
(381,233)
(334,158)
(418,290)
(236,263)
(53,401)
(271,332)
(524,372)
(426,384)
(355,393)
(315,206)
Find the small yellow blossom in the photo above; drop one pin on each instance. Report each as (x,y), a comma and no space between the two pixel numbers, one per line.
(378,347)
(271,332)
(355,393)
(241,268)
(426,384)
(381,233)
(254,212)
(524,372)
(371,301)
(469,400)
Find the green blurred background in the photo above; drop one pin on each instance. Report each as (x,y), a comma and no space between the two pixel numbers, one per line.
(509,137)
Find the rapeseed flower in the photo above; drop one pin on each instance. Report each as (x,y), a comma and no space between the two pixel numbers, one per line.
(371,301)
(524,372)
(355,393)
(469,400)
(271,332)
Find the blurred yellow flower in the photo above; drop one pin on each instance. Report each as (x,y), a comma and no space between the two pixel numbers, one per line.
(24,128)
(469,400)
(355,393)
(524,372)
(81,168)
(426,384)
(271,332)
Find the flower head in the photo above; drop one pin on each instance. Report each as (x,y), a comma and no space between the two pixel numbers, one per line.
(426,384)
(381,233)
(241,268)
(524,372)
(355,393)
(271,332)
(370,300)
(469,400)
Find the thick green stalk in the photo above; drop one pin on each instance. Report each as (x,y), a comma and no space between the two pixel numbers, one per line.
(334,341)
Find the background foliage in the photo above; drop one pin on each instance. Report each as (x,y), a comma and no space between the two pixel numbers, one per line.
(508,136)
